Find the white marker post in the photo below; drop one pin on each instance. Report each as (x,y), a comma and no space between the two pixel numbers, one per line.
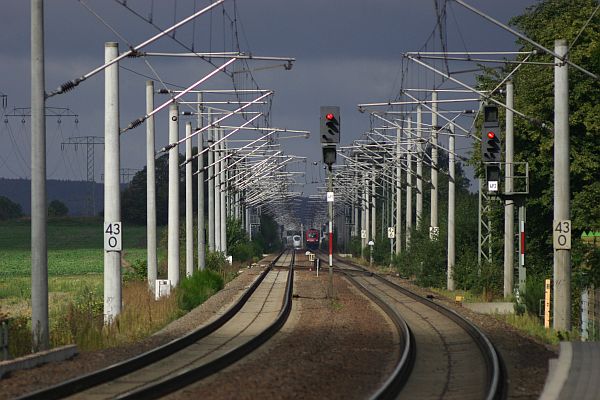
(112,192)
(113,236)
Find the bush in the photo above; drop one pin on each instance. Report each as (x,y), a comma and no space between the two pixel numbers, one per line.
(491,280)
(245,251)
(466,270)
(9,209)
(137,272)
(57,208)
(354,246)
(19,336)
(195,289)
(381,251)
(215,261)
(425,261)
(534,292)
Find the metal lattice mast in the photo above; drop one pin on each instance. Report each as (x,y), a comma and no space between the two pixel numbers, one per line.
(485,231)
(89,142)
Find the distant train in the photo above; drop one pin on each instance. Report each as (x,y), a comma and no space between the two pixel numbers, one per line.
(297,242)
(312,239)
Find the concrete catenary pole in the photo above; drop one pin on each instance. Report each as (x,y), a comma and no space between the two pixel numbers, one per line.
(366,210)
(151,260)
(357,201)
(189,205)
(408,186)
(419,195)
(217,184)
(434,162)
(451,210)
(330,217)
(39,216)
(223,195)
(112,193)
(173,223)
(211,186)
(562,209)
(373,207)
(201,219)
(398,191)
(509,205)
(355,209)
(247,221)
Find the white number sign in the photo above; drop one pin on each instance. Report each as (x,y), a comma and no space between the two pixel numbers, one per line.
(434,233)
(363,234)
(113,236)
(561,234)
(330,197)
(391,233)
(492,186)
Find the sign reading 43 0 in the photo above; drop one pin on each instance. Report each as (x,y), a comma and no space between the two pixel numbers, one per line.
(112,236)
(561,234)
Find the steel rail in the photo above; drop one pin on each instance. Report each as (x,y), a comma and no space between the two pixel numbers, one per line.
(187,377)
(395,382)
(497,380)
(84,382)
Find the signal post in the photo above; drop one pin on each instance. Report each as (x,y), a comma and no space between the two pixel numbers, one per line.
(329,128)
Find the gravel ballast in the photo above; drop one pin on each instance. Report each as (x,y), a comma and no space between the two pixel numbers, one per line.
(328,349)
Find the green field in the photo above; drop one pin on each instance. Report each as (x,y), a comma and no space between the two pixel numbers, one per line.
(75,247)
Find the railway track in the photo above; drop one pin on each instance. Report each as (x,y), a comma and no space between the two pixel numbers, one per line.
(444,357)
(252,320)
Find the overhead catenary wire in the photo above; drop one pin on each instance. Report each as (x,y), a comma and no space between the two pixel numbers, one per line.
(70,85)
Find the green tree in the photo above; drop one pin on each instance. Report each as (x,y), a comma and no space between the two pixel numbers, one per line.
(238,244)
(134,197)
(57,208)
(268,237)
(9,209)
(544,22)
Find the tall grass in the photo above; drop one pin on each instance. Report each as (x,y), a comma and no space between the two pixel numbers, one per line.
(531,325)
(75,263)
(81,320)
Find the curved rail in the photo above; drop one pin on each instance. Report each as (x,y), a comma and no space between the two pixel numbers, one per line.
(496,373)
(172,384)
(393,385)
(81,383)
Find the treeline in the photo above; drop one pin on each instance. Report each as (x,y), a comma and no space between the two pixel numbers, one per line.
(534,96)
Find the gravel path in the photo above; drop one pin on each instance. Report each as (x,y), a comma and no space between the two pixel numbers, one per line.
(339,349)
(329,350)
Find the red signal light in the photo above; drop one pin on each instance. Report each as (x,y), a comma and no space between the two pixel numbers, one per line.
(329,117)
(491,135)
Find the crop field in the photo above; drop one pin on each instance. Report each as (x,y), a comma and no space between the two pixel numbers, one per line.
(75,247)
(75,260)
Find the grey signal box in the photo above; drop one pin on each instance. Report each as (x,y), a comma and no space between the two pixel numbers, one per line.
(330,124)
(491,150)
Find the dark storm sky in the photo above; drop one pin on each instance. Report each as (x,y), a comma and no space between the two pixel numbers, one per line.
(347,51)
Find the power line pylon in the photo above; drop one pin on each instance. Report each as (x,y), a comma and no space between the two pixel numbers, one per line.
(89,142)
(484,252)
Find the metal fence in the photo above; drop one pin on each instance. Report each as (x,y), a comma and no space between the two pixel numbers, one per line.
(590,314)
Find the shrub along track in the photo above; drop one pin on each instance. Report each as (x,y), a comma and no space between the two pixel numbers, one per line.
(452,358)
(251,321)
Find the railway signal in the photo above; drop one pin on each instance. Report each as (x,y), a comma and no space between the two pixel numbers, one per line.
(330,124)
(329,121)
(491,151)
